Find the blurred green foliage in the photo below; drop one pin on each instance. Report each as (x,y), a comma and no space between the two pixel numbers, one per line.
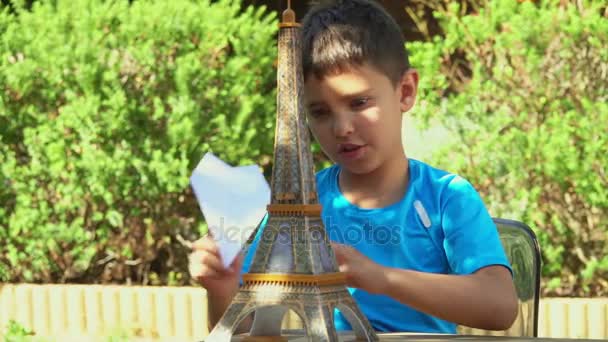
(15,332)
(523,89)
(105,109)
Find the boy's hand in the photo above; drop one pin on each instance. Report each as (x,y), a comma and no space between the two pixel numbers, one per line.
(205,266)
(361,272)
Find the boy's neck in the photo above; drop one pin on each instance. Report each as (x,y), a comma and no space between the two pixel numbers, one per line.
(380,188)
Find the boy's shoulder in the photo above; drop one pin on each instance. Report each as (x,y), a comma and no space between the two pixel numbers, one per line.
(325,174)
(427,179)
(423,176)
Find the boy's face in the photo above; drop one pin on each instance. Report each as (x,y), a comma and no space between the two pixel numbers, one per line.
(356,116)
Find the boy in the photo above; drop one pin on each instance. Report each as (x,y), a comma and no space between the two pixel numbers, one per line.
(425,254)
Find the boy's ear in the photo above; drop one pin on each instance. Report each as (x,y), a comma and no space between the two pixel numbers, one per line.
(408,88)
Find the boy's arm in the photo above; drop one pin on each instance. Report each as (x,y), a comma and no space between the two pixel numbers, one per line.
(479,291)
(485,299)
(221,284)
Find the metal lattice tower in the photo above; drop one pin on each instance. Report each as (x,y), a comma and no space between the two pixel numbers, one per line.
(294,266)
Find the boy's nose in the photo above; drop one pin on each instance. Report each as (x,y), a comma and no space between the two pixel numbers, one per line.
(342,126)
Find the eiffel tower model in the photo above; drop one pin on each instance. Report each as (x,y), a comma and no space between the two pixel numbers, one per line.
(294,266)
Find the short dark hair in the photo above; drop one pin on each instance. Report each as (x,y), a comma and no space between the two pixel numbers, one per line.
(338,34)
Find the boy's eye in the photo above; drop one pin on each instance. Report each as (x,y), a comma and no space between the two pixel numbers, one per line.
(359,102)
(317,112)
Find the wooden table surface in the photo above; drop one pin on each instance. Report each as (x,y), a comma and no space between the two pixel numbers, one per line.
(295,336)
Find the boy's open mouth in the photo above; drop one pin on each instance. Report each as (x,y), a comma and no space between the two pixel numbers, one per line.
(347,148)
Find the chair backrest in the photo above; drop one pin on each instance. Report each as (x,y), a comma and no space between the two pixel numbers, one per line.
(523,252)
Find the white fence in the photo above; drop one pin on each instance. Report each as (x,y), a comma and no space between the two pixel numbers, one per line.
(63,312)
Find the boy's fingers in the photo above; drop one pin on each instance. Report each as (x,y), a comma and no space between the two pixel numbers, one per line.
(207,244)
(208,260)
(345,253)
(237,264)
(238,260)
(338,251)
(202,242)
(202,272)
(337,245)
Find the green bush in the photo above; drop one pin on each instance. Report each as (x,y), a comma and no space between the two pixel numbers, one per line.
(105,109)
(523,87)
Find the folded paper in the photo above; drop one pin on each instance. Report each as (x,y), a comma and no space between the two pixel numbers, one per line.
(233,201)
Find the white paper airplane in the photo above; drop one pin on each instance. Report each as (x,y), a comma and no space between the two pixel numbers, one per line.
(233,201)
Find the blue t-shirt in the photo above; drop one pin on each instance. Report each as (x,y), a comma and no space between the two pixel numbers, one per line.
(440,226)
